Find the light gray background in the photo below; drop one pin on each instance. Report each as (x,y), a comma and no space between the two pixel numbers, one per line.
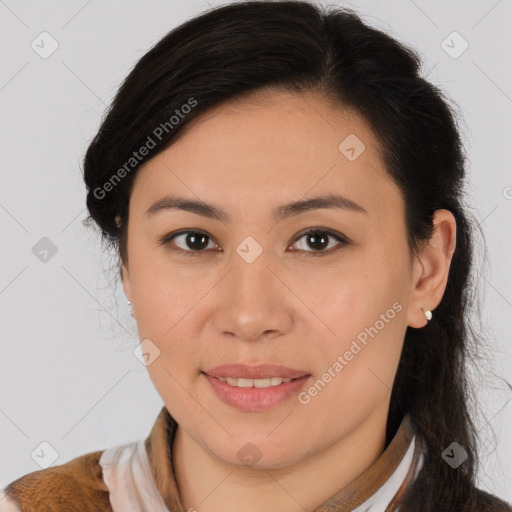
(68,375)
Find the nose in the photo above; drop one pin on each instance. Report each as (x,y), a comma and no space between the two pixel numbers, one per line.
(252,303)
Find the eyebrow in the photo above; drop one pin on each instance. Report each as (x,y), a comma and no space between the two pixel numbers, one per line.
(279,213)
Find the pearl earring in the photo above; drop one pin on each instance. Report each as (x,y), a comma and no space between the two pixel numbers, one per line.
(130,305)
(428,315)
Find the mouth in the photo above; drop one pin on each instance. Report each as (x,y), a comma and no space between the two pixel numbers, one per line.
(261,383)
(255,388)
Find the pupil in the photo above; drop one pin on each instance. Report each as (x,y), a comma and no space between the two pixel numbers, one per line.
(192,238)
(313,238)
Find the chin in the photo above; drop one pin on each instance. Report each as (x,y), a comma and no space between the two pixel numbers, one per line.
(258,452)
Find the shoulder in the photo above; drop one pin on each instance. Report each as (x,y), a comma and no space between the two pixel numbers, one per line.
(75,485)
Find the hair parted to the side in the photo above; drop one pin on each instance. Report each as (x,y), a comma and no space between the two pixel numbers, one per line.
(298,46)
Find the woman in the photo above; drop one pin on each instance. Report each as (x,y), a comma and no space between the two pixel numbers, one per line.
(285,193)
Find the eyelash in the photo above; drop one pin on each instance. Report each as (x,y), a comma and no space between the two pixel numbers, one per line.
(340,238)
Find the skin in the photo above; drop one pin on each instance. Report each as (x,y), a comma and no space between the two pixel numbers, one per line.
(290,307)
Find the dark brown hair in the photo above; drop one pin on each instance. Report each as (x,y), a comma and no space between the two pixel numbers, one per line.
(297,46)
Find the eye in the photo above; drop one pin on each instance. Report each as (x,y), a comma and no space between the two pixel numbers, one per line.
(192,242)
(318,239)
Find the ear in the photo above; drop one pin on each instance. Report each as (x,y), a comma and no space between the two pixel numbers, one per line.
(431,268)
(127,285)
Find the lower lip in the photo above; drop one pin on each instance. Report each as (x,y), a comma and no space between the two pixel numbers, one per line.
(255,399)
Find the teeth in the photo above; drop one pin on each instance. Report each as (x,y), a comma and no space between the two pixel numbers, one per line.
(257,383)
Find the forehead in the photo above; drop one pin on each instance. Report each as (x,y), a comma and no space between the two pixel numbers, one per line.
(271,147)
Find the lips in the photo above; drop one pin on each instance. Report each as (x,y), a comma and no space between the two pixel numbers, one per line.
(262,371)
(256,399)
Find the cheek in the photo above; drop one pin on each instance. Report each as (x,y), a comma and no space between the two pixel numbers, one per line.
(166,293)
(346,297)
(363,312)
(357,367)
(167,305)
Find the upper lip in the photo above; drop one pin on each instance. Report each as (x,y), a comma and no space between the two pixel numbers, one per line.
(262,371)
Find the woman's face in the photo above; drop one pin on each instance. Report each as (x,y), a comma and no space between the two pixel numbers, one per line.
(253,289)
